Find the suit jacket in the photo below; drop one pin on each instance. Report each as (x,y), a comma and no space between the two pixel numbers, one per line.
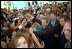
(63,40)
(46,35)
(57,27)
(57,30)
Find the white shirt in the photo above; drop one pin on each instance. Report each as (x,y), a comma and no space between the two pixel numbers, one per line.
(20,27)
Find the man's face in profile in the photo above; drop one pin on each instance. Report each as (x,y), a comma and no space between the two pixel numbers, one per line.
(67,30)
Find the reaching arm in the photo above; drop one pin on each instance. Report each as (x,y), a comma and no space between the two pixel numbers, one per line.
(35,39)
(47,30)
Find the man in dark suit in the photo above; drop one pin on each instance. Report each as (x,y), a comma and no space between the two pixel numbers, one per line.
(45,34)
(57,29)
(63,40)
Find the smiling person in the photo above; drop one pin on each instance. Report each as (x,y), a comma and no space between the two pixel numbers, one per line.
(22,39)
(67,33)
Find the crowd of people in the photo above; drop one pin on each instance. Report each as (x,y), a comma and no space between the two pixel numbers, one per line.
(48,26)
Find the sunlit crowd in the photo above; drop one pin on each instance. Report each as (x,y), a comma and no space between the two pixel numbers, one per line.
(48,26)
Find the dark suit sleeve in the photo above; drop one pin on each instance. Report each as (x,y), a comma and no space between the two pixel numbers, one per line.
(2,17)
(47,30)
(57,28)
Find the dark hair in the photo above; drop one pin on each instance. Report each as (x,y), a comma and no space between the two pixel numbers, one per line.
(68,21)
(46,20)
(36,20)
(28,25)
(16,21)
(65,17)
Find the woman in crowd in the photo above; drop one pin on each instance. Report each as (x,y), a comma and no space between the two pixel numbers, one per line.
(23,39)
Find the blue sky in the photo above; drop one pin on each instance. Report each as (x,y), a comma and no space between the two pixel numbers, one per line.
(24,4)
(17,4)
(20,4)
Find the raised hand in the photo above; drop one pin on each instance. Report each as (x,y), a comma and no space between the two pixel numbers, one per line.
(31,30)
(40,45)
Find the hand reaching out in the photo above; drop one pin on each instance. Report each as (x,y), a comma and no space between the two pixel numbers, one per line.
(31,30)
(40,45)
